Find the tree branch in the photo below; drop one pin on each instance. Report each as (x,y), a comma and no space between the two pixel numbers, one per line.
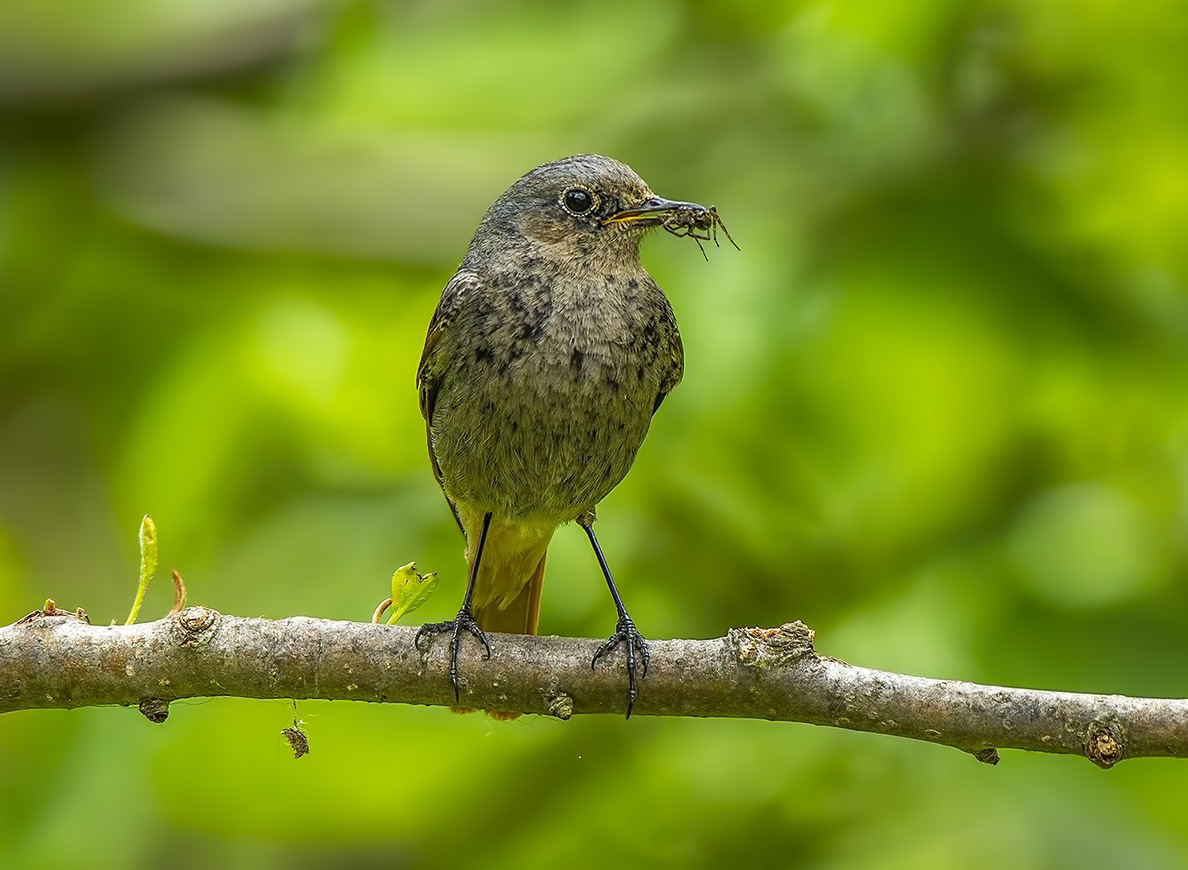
(58,660)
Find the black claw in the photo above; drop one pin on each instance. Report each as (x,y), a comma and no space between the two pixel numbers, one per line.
(464,621)
(627,634)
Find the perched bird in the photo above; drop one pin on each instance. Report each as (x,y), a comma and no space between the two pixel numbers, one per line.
(547,356)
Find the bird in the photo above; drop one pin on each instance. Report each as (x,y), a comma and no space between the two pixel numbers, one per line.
(545,359)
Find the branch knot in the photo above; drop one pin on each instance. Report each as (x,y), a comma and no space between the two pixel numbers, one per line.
(155,710)
(195,626)
(1104,744)
(772,647)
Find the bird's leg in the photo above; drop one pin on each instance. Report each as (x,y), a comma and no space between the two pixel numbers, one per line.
(625,632)
(464,621)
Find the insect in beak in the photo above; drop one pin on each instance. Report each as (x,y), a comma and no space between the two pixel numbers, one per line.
(679,218)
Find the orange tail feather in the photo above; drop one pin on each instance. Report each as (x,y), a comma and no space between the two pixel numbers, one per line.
(522,613)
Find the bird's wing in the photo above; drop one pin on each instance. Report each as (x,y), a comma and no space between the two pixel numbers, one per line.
(464,284)
(675,369)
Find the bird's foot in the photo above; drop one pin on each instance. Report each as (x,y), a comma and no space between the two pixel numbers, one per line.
(463,622)
(633,642)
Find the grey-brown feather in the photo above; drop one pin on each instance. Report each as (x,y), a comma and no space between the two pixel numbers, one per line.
(549,352)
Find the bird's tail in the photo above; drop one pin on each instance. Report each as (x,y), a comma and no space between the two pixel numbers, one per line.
(506,595)
(519,615)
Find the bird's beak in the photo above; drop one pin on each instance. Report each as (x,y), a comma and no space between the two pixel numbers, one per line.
(653,210)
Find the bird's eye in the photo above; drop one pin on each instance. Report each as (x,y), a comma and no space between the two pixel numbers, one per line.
(578,200)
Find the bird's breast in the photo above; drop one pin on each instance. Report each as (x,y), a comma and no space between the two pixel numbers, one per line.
(549,393)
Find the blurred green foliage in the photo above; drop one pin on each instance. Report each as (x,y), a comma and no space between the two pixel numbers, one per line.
(936,408)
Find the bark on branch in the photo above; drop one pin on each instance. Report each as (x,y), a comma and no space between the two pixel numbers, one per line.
(61,661)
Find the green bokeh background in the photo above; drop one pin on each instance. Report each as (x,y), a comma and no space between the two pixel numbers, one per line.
(935,408)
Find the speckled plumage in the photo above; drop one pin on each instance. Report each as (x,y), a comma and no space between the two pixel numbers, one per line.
(548,354)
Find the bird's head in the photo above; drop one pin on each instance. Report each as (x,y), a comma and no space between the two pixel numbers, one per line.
(578,208)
